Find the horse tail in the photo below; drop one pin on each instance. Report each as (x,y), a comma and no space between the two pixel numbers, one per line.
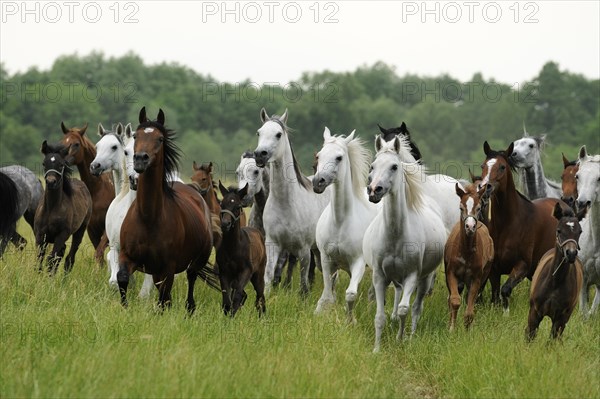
(9,204)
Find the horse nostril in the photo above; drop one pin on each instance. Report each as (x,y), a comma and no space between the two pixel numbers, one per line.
(321,181)
(378,189)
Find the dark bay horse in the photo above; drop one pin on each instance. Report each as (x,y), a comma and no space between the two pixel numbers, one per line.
(65,210)
(468,253)
(167,229)
(82,153)
(569,182)
(242,256)
(402,130)
(203,182)
(25,199)
(522,230)
(559,276)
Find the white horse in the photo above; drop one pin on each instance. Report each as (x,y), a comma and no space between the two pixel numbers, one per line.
(114,152)
(527,158)
(343,163)
(588,188)
(404,244)
(292,208)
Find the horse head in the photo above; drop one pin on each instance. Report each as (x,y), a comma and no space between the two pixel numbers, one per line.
(231,205)
(471,206)
(588,179)
(76,142)
(568,231)
(496,169)
(250,175)
(330,159)
(203,176)
(271,138)
(385,167)
(526,151)
(109,150)
(569,182)
(56,168)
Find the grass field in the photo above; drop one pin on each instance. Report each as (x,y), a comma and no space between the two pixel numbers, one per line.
(68,336)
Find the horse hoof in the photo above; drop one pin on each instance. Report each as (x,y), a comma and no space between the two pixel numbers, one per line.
(351,297)
(402,310)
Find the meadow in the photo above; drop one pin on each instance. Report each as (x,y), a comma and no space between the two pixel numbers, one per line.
(68,336)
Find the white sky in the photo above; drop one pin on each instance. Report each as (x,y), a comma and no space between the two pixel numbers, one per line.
(193,33)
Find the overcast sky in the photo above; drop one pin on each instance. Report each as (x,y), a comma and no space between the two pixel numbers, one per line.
(275,41)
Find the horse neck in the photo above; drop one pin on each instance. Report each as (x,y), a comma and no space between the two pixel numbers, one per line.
(53,198)
(594,223)
(505,202)
(232,238)
(93,183)
(342,195)
(121,180)
(560,266)
(150,196)
(260,199)
(280,186)
(468,244)
(535,180)
(395,211)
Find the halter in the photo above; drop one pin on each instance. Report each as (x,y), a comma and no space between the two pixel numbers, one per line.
(561,245)
(227,211)
(203,191)
(60,173)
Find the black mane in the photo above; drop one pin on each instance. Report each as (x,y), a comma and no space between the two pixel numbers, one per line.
(389,134)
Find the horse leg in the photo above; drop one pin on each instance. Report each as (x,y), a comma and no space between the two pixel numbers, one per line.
(42,246)
(75,242)
(471,299)
(57,253)
(123,277)
(239,296)
(327,297)
(379,284)
(258,283)
(533,322)
(518,273)
(357,271)
(18,241)
(113,261)
(292,260)
(583,298)
(99,255)
(315,262)
(273,251)
(164,283)
(410,283)
(190,303)
(558,326)
(146,286)
(304,256)
(495,283)
(226,293)
(596,300)
(453,296)
(281,259)
(397,298)
(423,287)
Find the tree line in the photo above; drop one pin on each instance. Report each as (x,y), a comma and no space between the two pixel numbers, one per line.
(216,121)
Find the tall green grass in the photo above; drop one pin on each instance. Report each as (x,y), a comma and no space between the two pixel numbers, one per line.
(68,336)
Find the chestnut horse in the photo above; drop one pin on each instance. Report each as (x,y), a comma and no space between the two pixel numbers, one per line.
(82,153)
(569,182)
(558,278)
(522,230)
(65,210)
(167,228)
(203,182)
(468,253)
(242,256)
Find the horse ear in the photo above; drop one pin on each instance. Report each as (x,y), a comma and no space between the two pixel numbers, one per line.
(119,129)
(142,118)
(404,130)
(326,133)
(565,160)
(263,115)
(582,152)
(481,191)
(210,165)
(471,176)
(195,165)
(284,117)
(161,117)
(378,143)
(128,130)
(381,129)
(510,149)
(459,190)
(486,148)
(397,144)
(223,189)
(557,213)
(64,128)
(101,130)
(350,137)
(242,192)
(83,129)
(44,148)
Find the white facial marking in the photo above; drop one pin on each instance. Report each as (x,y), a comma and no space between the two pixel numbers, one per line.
(148,130)
(489,164)
(470,204)
(53,159)
(571,225)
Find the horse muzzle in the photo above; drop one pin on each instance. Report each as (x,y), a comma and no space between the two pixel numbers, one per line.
(141,161)
(375,195)
(96,169)
(319,184)
(133,183)
(261,158)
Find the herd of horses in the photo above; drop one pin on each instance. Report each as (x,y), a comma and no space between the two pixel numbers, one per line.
(403,225)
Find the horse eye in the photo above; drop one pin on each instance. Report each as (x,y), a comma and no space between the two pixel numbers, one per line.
(339,159)
(482,166)
(530,145)
(394,167)
(576,177)
(257,133)
(114,148)
(278,135)
(502,167)
(161,139)
(133,135)
(126,153)
(256,173)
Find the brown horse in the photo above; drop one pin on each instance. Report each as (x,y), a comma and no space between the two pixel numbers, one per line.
(242,256)
(468,253)
(558,278)
(569,182)
(65,210)
(203,182)
(522,230)
(167,228)
(82,153)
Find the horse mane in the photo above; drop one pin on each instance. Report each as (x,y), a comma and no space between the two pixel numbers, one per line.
(590,158)
(360,163)
(302,180)
(171,152)
(413,172)
(87,144)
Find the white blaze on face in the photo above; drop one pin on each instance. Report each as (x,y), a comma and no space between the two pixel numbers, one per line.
(571,225)
(53,159)
(489,164)
(148,130)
